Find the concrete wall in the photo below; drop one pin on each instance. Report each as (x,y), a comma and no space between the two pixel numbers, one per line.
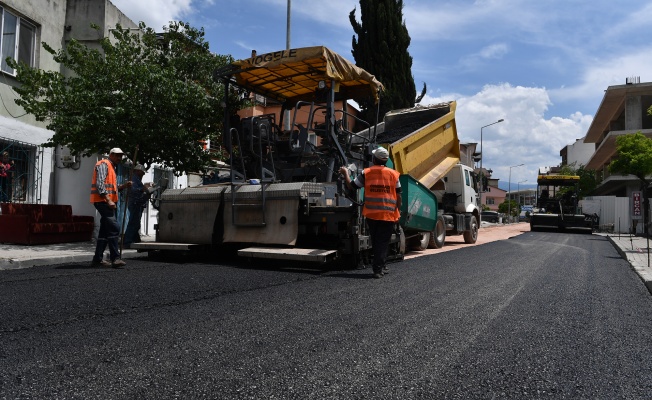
(579,152)
(633,113)
(613,211)
(82,13)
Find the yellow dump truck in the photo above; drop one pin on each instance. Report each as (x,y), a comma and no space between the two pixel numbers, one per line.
(430,153)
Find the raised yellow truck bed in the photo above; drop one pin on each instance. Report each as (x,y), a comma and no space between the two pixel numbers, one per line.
(432,148)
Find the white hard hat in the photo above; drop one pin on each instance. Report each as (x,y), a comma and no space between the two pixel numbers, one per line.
(381,154)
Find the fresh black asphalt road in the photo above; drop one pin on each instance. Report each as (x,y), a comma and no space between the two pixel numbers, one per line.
(541,315)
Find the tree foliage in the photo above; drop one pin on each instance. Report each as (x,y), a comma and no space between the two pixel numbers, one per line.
(587,184)
(138,89)
(634,157)
(505,208)
(381,48)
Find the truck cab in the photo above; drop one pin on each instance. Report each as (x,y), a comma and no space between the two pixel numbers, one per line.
(457,194)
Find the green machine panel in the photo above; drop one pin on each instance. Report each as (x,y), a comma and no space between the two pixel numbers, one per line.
(419,206)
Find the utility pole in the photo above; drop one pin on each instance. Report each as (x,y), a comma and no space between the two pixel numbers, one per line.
(286,116)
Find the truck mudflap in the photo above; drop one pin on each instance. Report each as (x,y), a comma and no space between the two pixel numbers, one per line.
(292,254)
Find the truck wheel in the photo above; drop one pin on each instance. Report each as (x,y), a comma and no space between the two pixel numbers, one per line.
(421,241)
(471,235)
(438,235)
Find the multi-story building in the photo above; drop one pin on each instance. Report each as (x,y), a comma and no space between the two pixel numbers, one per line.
(623,110)
(494,196)
(46,175)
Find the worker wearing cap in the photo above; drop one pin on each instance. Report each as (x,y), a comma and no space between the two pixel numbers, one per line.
(382,204)
(104,196)
(138,195)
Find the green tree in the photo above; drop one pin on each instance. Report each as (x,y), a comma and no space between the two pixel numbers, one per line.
(140,89)
(635,158)
(505,208)
(381,48)
(587,183)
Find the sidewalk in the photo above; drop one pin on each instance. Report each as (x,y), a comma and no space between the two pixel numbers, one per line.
(635,250)
(15,256)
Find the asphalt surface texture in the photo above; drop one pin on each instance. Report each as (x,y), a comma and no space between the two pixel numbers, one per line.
(540,315)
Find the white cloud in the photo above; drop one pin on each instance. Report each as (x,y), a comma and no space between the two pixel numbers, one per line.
(638,20)
(332,12)
(497,50)
(492,52)
(612,70)
(524,137)
(155,13)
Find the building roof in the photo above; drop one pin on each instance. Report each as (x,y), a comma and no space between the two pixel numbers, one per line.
(611,107)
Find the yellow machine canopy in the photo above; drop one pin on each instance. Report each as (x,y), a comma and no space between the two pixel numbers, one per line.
(558,180)
(295,74)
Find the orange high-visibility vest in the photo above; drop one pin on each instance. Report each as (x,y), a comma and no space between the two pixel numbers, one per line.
(380,193)
(111,184)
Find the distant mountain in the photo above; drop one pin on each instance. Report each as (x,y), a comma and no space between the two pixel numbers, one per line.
(515,186)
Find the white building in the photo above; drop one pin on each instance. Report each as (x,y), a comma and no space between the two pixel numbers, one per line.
(577,154)
(49,175)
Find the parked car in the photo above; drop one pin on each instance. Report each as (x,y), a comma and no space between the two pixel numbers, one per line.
(490,216)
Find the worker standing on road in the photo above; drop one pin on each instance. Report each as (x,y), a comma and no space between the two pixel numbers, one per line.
(138,196)
(104,196)
(382,204)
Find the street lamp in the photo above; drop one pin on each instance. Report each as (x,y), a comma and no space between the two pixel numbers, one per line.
(518,190)
(482,154)
(509,202)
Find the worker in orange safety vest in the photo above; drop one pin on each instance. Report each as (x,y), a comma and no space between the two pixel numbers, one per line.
(104,196)
(382,204)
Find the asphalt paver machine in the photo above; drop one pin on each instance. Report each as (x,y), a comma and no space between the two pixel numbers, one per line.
(284,198)
(557,205)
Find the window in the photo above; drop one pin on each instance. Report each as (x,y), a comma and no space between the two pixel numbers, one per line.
(491,201)
(23,182)
(18,40)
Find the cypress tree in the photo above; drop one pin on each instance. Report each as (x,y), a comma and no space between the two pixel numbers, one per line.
(381,48)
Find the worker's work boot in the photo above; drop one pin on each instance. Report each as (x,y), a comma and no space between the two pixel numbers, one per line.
(103,263)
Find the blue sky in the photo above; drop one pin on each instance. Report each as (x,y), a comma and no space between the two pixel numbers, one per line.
(542,66)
